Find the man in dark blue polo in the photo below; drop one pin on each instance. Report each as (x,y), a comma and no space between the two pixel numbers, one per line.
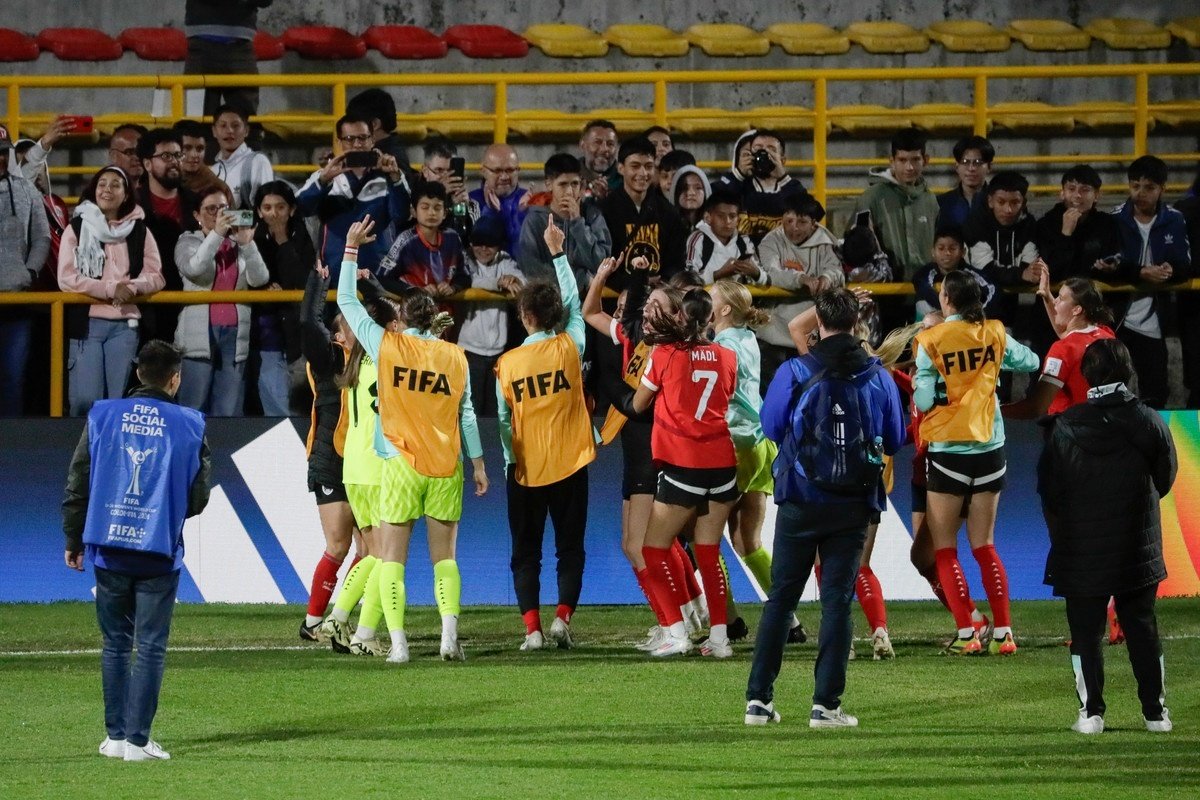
(140,469)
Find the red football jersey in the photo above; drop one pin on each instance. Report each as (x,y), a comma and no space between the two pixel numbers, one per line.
(1062,366)
(694,386)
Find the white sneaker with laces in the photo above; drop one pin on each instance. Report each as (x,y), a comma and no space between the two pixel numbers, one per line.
(112,748)
(654,638)
(672,646)
(881,645)
(533,641)
(760,713)
(1086,724)
(560,633)
(451,650)
(151,752)
(716,649)
(1163,725)
(822,717)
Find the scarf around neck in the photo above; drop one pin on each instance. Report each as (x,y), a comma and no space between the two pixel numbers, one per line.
(93,235)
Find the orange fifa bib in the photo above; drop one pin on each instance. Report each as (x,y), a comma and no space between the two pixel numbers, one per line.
(421,385)
(614,421)
(967,356)
(542,384)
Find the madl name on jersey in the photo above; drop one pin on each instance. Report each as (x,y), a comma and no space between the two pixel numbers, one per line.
(968,360)
(144,420)
(420,380)
(540,384)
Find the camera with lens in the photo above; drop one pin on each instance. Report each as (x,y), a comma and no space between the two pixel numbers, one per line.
(761,165)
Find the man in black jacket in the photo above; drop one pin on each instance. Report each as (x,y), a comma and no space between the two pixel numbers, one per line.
(1075,238)
(220,40)
(1107,463)
(141,467)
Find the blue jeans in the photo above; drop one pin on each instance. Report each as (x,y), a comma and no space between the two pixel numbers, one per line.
(215,385)
(837,532)
(129,609)
(274,383)
(99,366)
(15,337)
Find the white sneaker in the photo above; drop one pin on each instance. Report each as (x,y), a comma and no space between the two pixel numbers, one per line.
(760,713)
(1086,724)
(560,633)
(654,638)
(851,656)
(822,717)
(672,646)
(112,748)
(399,652)
(151,752)
(1163,725)
(452,651)
(716,649)
(881,645)
(534,641)
(691,621)
(366,647)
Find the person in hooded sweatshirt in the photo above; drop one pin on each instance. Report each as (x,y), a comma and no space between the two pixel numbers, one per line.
(715,249)
(1001,241)
(242,169)
(688,193)
(903,210)
(107,253)
(587,239)
(1107,464)
(765,183)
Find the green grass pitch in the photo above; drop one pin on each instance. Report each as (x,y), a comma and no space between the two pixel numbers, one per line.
(247,712)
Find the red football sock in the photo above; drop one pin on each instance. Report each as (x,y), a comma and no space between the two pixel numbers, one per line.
(690,585)
(323,580)
(564,613)
(995,582)
(870,597)
(954,584)
(533,620)
(817,575)
(643,579)
(715,588)
(664,583)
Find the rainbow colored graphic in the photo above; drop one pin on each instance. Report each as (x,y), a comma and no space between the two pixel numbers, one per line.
(1181,509)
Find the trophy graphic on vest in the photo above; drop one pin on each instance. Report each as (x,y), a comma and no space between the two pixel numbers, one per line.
(138,457)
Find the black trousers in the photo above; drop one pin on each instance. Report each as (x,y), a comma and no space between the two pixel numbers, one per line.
(482,370)
(1188,307)
(215,58)
(566,503)
(1087,617)
(1150,362)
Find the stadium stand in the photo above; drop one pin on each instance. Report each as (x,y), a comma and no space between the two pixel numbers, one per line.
(724,39)
(80,44)
(324,42)
(1187,30)
(486,41)
(16,46)
(405,42)
(1121,33)
(1049,34)
(566,41)
(808,39)
(655,41)
(969,36)
(155,44)
(268,47)
(887,37)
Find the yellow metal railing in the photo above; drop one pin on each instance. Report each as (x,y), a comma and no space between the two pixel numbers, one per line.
(57,302)
(1141,108)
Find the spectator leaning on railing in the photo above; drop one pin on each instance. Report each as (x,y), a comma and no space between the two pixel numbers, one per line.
(587,239)
(107,253)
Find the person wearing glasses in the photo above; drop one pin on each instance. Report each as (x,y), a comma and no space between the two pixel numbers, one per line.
(341,192)
(501,195)
(973,158)
(123,152)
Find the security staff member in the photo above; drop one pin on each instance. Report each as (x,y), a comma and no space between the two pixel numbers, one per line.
(151,471)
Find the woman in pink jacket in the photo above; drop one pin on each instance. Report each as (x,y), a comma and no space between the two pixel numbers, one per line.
(95,259)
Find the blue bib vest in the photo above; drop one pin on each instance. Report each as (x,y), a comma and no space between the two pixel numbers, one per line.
(145,453)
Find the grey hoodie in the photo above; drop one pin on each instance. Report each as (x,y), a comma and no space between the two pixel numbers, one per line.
(24,231)
(588,243)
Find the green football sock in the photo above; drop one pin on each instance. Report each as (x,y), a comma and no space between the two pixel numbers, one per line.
(447,587)
(391,593)
(356,581)
(724,569)
(372,607)
(759,563)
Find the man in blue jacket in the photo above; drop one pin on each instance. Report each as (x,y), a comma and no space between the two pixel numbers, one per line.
(141,468)
(834,413)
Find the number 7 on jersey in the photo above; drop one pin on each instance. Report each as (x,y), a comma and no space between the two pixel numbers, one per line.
(710,380)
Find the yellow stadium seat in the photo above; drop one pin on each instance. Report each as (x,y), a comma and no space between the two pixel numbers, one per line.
(1180,118)
(866,120)
(969,36)
(1033,118)
(699,123)
(808,39)
(1187,29)
(459,124)
(1123,33)
(566,41)
(1102,115)
(723,39)
(1048,34)
(887,37)
(629,121)
(545,124)
(943,118)
(647,40)
(787,120)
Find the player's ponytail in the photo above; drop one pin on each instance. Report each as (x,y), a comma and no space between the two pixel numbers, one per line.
(383,312)
(738,298)
(421,312)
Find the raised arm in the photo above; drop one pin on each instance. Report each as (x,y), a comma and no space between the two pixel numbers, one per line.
(593,309)
(568,289)
(365,329)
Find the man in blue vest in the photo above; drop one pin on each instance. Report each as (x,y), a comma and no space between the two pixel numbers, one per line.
(140,469)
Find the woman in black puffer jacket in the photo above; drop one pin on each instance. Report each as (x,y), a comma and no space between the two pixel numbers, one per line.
(1107,463)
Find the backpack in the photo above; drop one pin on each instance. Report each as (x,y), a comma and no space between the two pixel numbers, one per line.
(836,452)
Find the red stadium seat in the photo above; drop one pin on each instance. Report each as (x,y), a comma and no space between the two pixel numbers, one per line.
(80,44)
(16,46)
(155,44)
(268,47)
(486,41)
(405,41)
(324,42)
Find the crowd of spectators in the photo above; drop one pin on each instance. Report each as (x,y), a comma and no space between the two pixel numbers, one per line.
(164,213)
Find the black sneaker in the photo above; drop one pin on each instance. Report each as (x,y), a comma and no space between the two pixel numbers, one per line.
(797,635)
(310,633)
(737,630)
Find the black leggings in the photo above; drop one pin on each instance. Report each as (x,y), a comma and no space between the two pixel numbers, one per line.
(1087,617)
(566,504)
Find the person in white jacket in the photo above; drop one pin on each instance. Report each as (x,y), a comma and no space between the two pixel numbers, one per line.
(216,338)
(242,169)
(715,250)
